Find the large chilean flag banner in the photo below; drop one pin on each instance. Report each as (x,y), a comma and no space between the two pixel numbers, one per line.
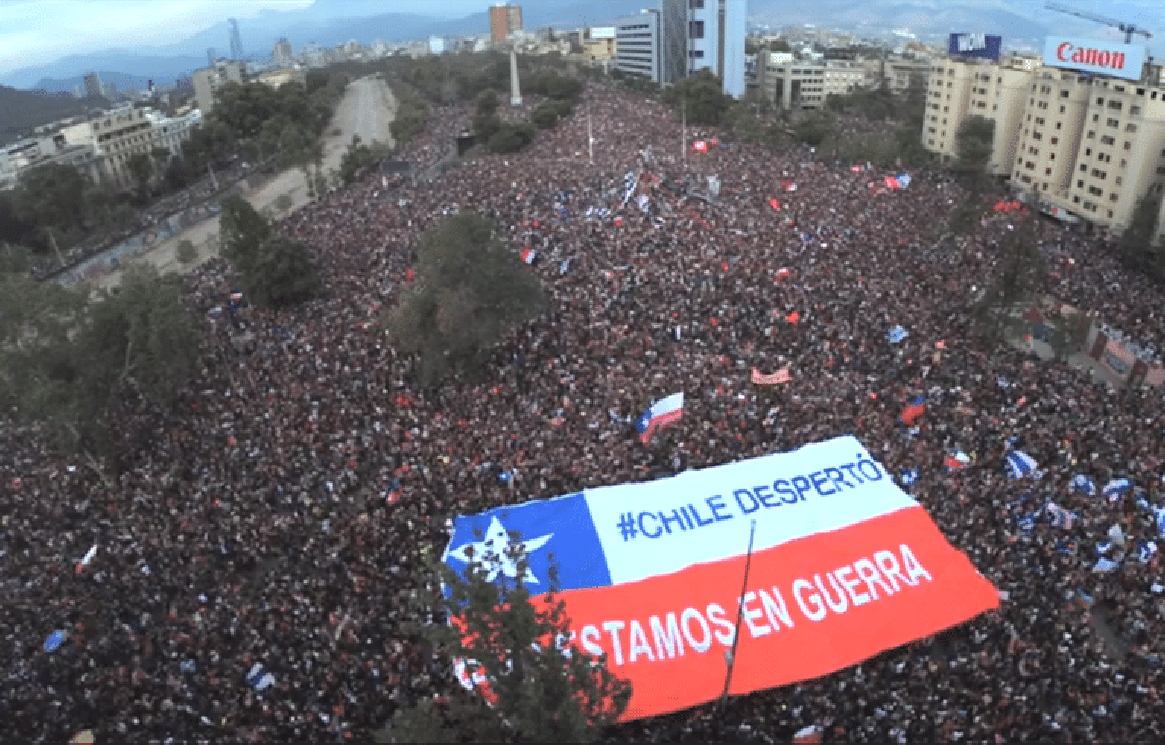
(845,564)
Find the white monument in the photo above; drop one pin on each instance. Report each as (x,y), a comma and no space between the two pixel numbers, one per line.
(515,92)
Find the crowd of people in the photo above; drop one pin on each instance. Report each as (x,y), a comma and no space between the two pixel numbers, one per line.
(261,546)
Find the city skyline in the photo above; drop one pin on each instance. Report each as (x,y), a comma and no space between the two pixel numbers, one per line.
(41,32)
(34,32)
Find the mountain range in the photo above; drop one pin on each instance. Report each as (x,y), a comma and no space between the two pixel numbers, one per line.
(331,22)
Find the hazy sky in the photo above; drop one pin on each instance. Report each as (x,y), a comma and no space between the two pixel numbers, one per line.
(34,32)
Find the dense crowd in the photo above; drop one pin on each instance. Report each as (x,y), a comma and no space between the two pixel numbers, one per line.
(279,515)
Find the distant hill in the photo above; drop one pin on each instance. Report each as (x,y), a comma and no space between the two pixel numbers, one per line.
(20,111)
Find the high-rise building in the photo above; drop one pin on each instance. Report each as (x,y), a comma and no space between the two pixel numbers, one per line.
(715,40)
(210,56)
(682,37)
(282,53)
(637,45)
(92,85)
(993,90)
(504,20)
(208,81)
(236,40)
(1082,146)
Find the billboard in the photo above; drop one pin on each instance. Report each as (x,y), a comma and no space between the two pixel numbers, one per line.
(982,46)
(1097,56)
(844,565)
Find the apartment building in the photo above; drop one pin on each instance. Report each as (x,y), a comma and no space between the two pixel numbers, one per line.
(209,80)
(18,157)
(804,84)
(599,44)
(504,19)
(637,50)
(960,87)
(1092,145)
(899,73)
(116,135)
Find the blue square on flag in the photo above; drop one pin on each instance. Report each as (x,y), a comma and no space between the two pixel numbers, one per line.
(557,532)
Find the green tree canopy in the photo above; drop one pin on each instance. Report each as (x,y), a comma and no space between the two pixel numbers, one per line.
(469,286)
(274,270)
(1135,246)
(1019,276)
(63,358)
(359,157)
(815,127)
(51,197)
(975,141)
(283,273)
(242,231)
(702,95)
(546,689)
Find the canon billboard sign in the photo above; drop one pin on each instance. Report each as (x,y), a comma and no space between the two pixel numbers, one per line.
(1095,56)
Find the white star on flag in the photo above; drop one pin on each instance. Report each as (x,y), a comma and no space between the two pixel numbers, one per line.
(500,552)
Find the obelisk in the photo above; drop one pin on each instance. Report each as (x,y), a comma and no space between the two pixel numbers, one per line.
(515,92)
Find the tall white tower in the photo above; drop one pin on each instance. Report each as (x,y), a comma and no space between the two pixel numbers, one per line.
(515,91)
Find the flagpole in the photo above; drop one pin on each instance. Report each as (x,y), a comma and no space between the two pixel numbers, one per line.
(590,137)
(684,131)
(739,620)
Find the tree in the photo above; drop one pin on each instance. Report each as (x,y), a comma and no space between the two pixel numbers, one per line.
(702,96)
(469,286)
(975,142)
(274,270)
(545,116)
(1135,247)
(282,274)
(360,157)
(50,197)
(510,138)
(141,169)
(186,253)
(242,232)
(544,687)
(144,332)
(815,127)
(63,359)
(1021,275)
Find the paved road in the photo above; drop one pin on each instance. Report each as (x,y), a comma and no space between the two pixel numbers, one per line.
(367,109)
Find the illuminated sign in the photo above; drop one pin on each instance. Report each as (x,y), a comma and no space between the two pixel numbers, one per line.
(1095,56)
(982,46)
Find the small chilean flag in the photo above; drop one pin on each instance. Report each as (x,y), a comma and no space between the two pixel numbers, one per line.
(528,255)
(663,413)
(911,413)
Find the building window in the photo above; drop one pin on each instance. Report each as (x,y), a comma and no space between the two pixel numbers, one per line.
(1107,140)
(1128,145)
(1063,94)
(696,4)
(1130,128)
(1055,140)
(696,29)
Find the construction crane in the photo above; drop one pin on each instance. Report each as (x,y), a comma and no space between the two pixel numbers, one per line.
(1128,28)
